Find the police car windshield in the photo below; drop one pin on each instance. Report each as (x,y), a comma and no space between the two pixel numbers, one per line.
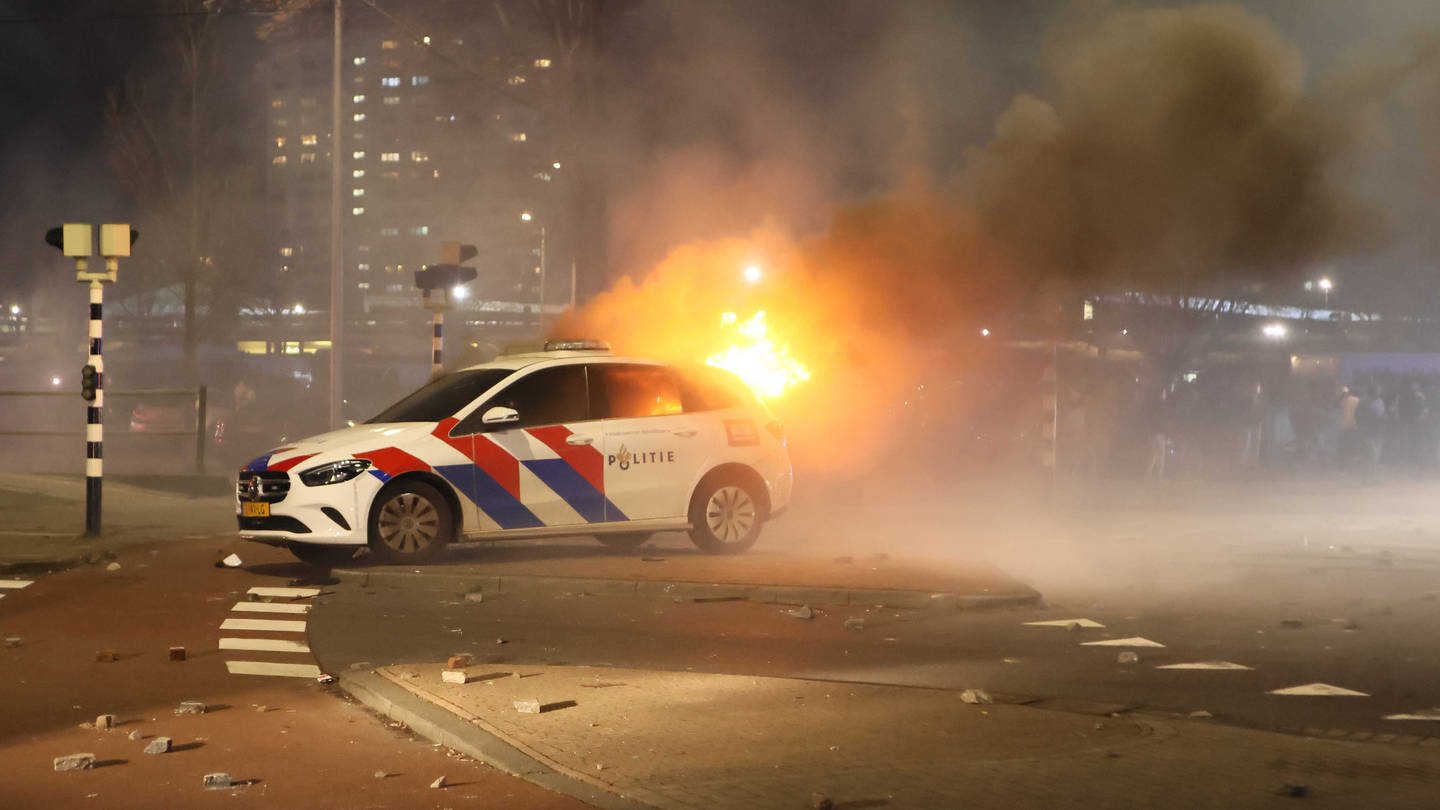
(442,397)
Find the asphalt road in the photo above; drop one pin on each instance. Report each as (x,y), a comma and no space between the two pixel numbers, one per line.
(1359,621)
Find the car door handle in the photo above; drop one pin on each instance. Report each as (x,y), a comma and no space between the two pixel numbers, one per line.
(686,432)
(579,441)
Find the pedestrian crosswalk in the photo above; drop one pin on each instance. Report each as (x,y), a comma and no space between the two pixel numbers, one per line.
(7,585)
(270,627)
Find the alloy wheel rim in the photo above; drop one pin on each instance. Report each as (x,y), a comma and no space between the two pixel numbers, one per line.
(730,514)
(409,523)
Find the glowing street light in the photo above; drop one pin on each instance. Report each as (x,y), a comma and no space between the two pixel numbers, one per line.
(298,309)
(753,274)
(526,216)
(459,293)
(1325,286)
(984,332)
(1274,331)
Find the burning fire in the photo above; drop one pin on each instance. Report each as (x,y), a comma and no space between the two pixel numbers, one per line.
(754,357)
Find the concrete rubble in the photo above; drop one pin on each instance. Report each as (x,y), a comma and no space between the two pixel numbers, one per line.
(190,707)
(976,697)
(217,781)
(802,612)
(439,783)
(177,653)
(159,745)
(528,706)
(454,676)
(1128,657)
(75,762)
(105,722)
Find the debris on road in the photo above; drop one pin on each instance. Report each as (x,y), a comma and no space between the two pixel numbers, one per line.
(325,679)
(217,781)
(190,707)
(819,801)
(527,706)
(855,624)
(1291,624)
(439,783)
(454,676)
(105,722)
(1129,657)
(159,745)
(475,596)
(106,656)
(976,697)
(12,641)
(136,735)
(114,566)
(1200,714)
(75,762)
(232,561)
(802,612)
(177,653)
(458,661)
(1295,791)
(381,775)
(1068,624)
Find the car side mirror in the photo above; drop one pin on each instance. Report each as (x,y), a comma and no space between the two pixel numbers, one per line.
(500,415)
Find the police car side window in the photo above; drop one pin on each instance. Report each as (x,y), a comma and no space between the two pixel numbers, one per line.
(546,397)
(632,391)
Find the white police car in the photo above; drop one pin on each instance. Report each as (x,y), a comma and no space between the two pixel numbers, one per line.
(570,440)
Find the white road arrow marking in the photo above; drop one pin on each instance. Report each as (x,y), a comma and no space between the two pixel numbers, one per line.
(1217,665)
(1134,641)
(1418,714)
(1086,623)
(1317,690)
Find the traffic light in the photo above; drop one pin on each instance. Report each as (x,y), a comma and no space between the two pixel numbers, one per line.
(443,276)
(89,381)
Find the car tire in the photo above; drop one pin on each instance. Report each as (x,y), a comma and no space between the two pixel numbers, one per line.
(323,556)
(725,515)
(410,522)
(626,541)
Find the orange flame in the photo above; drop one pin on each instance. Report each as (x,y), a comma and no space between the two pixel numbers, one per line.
(754,357)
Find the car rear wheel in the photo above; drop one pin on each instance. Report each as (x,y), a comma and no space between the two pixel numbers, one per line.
(623,542)
(725,515)
(409,523)
(322,556)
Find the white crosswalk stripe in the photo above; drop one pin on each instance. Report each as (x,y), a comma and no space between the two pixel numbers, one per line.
(294,614)
(7,585)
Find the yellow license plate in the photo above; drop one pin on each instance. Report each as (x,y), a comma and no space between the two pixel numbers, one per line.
(255,509)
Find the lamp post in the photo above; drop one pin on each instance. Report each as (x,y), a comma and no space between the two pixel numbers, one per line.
(1325,285)
(526,216)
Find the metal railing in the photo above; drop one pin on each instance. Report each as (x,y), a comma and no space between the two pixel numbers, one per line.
(196,396)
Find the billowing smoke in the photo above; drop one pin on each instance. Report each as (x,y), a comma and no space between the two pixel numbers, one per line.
(1171,149)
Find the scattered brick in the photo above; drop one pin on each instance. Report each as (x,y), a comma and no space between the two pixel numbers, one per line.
(459,661)
(1128,657)
(475,596)
(454,676)
(136,735)
(75,762)
(855,624)
(190,707)
(439,783)
(217,781)
(105,722)
(975,697)
(107,656)
(819,801)
(159,745)
(527,706)
(177,653)
(12,641)
(114,566)
(802,612)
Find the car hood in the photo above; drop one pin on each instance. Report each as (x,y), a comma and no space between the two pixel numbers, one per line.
(339,444)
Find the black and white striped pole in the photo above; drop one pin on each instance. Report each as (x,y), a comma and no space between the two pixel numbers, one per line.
(437,338)
(76,241)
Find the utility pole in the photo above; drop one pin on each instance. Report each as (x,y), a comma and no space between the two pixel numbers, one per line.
(75,240)
(337,265)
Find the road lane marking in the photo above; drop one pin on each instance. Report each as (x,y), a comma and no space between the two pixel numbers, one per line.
(1418,714)
(263,645)
(1133,641)
(14,584)
(1317,690)
(277,670)
(1226,666)
(298,593)
(1087,623)
(263,624)
(270,607)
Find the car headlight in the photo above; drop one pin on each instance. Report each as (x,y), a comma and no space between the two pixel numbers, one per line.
(334,472)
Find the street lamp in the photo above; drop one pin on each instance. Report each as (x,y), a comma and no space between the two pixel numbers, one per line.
(1325,286)
(753,274)
(1275,331)
(526,216)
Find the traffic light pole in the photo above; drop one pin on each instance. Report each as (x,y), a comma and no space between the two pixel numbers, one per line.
(437,341)
(94,427)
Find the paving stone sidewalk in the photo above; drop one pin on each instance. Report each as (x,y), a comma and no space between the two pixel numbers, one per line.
(690,740)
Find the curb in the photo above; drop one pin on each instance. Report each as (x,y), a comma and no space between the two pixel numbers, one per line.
(688,591)
(441,726)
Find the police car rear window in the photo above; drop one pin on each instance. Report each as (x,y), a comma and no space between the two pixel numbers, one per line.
(703,388)
(442,397)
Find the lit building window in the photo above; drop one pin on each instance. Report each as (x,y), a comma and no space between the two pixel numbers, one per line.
(542,63)
(357,210)
(280,142)
(358,155)
(363,267)
(419,157)
(277,104)
(388,45)
(389,231)
(307,157)
(395,288)
(390,81)
(425,40)
(308,140)
(389,157)
(357,192)
(390,175)
(358,98)
(420,230)
(516,81)
(280,123)
(279,160)
(542,176)
(416,81)
(287,251)
(518,137)
(357,117)
(435,173)
(357,173)
(364,285)
(390,101)
(359,60)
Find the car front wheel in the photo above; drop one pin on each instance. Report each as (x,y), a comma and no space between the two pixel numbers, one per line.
(409,523)
(725,515)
